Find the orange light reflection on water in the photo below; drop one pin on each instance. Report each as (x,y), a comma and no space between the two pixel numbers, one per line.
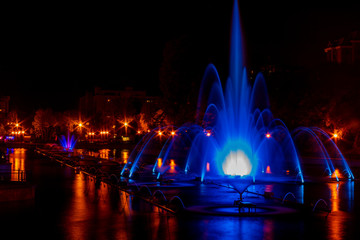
(334,196)
(337,218)
(124,155)
(88,202)
(104,153)
(17,160)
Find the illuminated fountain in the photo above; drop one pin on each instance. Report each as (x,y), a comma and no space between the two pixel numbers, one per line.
(68,142)
(237,137)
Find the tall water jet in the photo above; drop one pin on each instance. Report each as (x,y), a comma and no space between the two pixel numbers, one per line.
(236,115)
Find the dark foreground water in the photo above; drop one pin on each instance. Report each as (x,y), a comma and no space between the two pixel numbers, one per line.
(71,206)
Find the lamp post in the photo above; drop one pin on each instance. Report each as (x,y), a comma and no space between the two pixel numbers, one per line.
(126,126)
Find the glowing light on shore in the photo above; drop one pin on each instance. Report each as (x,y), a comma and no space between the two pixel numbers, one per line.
(337,174)
(172,166)
(159,162)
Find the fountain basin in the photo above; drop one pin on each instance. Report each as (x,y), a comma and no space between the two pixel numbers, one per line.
(231,210)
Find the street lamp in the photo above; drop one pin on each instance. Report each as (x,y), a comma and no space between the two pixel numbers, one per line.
(337,135)
(126,125)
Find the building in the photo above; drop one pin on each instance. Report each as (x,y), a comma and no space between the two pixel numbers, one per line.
(109,103)
(345,50)
(4,106)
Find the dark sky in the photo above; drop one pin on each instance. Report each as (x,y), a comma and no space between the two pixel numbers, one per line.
(51,54)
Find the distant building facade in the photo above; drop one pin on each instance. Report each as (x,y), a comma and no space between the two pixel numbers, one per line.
(114,102)
(4,106)
(345,50)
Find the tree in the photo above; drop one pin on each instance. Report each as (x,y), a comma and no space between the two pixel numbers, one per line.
(44,124)
(331,102)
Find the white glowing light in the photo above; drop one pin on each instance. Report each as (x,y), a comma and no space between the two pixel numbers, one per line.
(237,164)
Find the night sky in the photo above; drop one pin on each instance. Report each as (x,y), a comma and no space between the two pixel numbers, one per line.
(51,54)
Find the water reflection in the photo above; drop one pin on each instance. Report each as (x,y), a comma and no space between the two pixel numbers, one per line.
(17,160)
(342,196)
(106,154)
(124,155)
(98,211)
(334,196)
(341,200)
(269,229)
(76,206)
(349,189)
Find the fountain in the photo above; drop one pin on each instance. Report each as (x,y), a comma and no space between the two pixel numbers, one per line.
(68,142)
(236,138)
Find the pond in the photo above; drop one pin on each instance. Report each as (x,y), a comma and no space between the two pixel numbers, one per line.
(70,205)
